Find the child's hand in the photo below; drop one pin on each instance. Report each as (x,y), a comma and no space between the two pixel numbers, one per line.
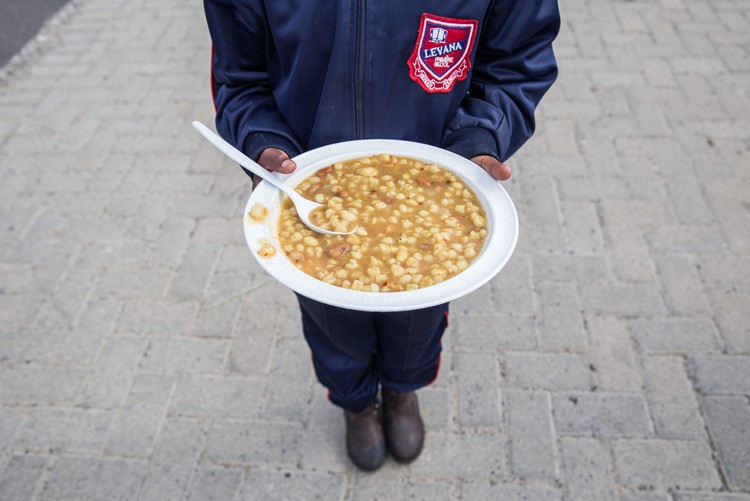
(493,166)
(275,160)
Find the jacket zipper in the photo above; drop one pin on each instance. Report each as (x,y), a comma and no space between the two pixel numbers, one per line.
(359,68)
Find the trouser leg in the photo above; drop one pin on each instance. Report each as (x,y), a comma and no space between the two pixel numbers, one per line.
(343,344)
(354,351)
(409,347)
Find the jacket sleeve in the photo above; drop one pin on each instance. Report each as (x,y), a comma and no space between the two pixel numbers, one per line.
(246,114)
(513,67)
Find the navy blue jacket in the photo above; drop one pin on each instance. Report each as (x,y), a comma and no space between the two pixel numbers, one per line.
(463,75)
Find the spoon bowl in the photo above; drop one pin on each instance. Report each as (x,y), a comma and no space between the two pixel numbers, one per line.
(303,206)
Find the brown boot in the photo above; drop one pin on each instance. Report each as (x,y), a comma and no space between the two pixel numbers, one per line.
(365,443)
(404,429)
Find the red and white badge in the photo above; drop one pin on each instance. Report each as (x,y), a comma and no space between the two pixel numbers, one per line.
(442,54)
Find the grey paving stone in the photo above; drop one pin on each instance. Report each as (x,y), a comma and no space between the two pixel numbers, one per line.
(291,484)
(728,420)
(69,430)
(547,371)
(177,453)
(162,318)
(290,382)
(511,492)
(665,464)
(11,420)
(531,436)
(216,483)
(681,285)
(255,334)
(33,384)
(478,388)
(492,331)
(254,442)
(721,374)
(613,355)
(676,335)
(728,305)
(588,470)
(710,496)
(583,228)
(415,490)
(645,496)
(671,399)
(487,460)
(175,355)
(323,445)
(601,414)
(632,300)
(116,366)
(93,478)
(561,322)
(21,476)
(569,268)
(202,396)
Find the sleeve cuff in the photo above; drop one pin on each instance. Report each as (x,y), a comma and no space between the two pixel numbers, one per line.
(472,141)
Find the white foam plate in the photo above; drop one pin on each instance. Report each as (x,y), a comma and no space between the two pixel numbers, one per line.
(502,222)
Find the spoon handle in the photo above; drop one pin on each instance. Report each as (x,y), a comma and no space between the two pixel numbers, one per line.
(241,158)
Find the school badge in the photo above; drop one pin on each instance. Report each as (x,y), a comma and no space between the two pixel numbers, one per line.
(442,54)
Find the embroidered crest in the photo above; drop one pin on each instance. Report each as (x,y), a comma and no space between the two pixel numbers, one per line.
(442,54)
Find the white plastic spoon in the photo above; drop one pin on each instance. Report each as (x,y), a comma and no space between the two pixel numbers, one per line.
(304,206)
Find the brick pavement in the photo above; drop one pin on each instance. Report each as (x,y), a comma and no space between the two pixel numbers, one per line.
(609,360)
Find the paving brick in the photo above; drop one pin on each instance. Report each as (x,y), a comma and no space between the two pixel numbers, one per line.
(323,445)
(438,456)
(178,450)
(681,286)
(676,335)
(290,382)
(194,271)
(670,395)
(588,469)
(728,420)
(69,430)
(478,388)
(512,289)
(117,364)
(547,371)
(185,354)
(162,318)
(613,355)
(645,496)
(733,317)
(530,431)
(477,331)
(601,415)
(721,374)
(665,464)
(201,396)
(39,385)
(251,347)
(291,484)
(710,496)
(254,442)
(216,483)
(21,476)
(622,299)
(567,268)
(94,479)
(561,321)
(511,492)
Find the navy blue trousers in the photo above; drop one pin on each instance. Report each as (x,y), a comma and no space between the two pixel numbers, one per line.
(354,352)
